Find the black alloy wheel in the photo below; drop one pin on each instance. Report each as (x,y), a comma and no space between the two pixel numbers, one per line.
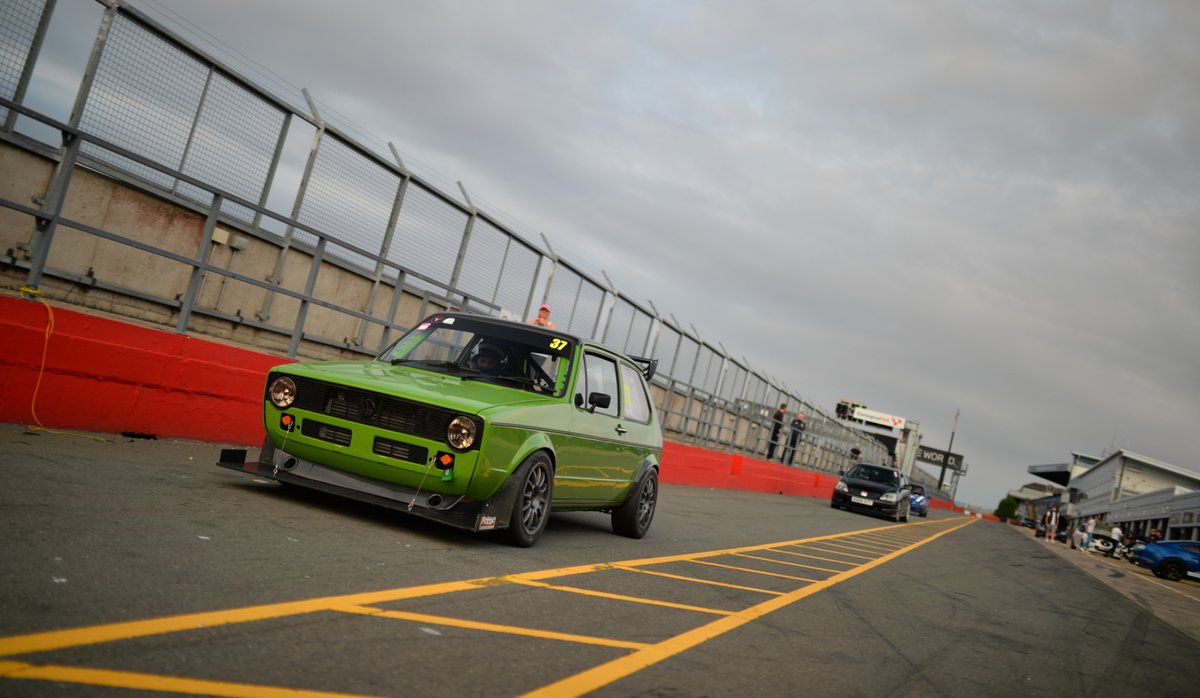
(1172,570)
(632,519)
(531,508)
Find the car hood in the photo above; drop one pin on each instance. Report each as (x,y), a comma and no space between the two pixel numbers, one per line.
(857,485)
(451,391)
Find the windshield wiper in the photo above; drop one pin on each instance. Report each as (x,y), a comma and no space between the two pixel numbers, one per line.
(539,385)
(433,364)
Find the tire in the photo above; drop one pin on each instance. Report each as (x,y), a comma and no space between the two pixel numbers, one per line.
(633,518)
(531,506)
(1172,570)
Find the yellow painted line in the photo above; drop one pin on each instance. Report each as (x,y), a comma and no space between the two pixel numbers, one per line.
(618,597)
(891,543)
(684,557)
(753,571)
(818,557)
(604,674)
(490,627)
(59,639)
(871,546)
(839,552)
(785,562)
(1148,576)
(863,547)
(709,582)
(153,682)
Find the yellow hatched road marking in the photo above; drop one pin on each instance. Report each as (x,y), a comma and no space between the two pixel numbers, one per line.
(59,639)
(840,552)
(489,627)
(862,547)
(155,682)
(886,542)
(599,676)
(697,580)
(617,597)
(818,557)
(642,654)
(754,571)
(785,562)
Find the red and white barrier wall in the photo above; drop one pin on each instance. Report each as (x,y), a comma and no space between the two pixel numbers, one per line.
(60,368)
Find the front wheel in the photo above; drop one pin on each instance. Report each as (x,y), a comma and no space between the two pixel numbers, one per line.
(1172,570)
(531,508)
(632,519)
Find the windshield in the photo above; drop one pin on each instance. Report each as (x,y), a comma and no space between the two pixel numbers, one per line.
(874,473)
(477,349)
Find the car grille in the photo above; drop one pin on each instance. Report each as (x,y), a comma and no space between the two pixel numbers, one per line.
(400,451)
(325,432)
(372,409)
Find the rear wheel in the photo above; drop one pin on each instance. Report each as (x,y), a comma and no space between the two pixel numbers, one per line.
(1172,570)
(632,519)
(531,508)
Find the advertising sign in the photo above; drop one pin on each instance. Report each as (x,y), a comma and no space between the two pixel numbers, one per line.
(879,418)
(943,458)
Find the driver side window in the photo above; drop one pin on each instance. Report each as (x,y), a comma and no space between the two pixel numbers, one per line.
(601,374)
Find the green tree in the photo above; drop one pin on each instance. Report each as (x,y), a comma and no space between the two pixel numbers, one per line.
(1007,509)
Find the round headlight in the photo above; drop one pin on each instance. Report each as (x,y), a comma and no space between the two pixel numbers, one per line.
(461,432)
(282,392)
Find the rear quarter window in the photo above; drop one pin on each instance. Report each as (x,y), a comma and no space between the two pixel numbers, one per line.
(635,404)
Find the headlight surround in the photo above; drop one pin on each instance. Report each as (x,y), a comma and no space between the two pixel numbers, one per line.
(888,497)
(461,432)
(841,487)
(282,392)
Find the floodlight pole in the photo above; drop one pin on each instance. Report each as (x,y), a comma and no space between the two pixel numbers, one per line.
(949,449)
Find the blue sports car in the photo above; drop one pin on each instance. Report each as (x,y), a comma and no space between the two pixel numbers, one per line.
(919,503)
(1170,559)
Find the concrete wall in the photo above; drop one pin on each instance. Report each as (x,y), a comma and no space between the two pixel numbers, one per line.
(98,270)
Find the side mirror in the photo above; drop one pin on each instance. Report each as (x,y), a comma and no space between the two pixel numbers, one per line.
(601,400)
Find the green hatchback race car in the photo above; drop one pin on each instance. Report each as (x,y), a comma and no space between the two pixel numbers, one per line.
(478,423)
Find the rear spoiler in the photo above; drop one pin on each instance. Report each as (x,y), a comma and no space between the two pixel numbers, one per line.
(649,366)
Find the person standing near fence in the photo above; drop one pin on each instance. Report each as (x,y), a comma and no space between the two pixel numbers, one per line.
(789,454)
(543,317)
(776,427)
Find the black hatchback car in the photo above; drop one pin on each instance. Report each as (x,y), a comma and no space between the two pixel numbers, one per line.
(875,489)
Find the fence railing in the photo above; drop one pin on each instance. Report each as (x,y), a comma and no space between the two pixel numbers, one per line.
(362,248)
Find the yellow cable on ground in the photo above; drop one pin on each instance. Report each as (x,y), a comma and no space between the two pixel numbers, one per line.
(36,294)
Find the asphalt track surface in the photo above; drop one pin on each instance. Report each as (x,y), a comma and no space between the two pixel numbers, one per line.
(133,567)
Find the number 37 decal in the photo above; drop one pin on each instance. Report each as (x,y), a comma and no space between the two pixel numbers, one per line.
(558,344)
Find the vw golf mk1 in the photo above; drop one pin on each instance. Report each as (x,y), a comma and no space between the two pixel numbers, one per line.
(478,423)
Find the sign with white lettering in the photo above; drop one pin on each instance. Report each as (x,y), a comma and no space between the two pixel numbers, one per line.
(879,418)
(943,458)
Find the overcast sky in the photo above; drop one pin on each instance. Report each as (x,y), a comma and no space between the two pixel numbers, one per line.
(924,207)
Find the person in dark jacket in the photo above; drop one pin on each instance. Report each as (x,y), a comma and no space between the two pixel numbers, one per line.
(798,428)
(776,427)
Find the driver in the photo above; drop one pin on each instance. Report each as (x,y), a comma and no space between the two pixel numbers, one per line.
(489,359)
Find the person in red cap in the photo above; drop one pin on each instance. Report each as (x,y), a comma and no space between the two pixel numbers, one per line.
(543,317)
